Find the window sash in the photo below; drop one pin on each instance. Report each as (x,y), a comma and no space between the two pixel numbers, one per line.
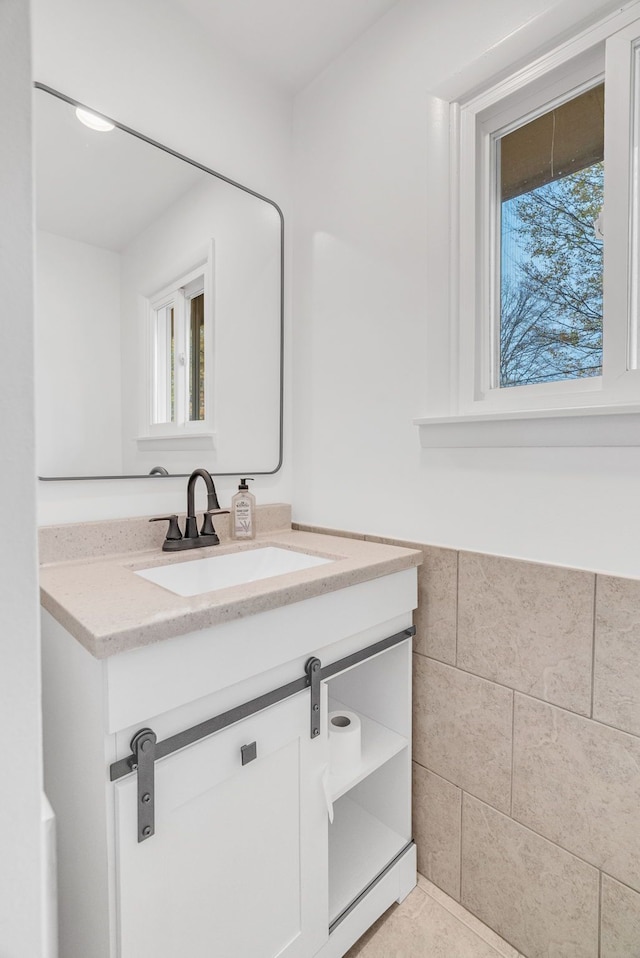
(542,158)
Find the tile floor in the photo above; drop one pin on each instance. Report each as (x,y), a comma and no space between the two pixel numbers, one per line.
(429,924)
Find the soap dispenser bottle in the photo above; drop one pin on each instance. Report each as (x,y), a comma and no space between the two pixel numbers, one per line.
(243,512)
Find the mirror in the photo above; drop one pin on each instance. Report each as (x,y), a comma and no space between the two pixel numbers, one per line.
(159,307)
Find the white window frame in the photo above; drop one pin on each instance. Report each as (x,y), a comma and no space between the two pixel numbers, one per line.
(604,51)
(178,294)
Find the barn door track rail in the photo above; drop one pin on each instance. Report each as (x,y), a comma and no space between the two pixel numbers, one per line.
(146,750)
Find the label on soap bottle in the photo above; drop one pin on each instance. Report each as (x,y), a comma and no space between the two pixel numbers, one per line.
(242,518)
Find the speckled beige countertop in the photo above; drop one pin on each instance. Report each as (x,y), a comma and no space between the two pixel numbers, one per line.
(87,581)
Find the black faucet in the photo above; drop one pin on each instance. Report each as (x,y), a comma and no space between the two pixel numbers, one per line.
(174,541)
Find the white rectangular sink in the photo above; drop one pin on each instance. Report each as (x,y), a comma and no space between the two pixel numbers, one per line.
(234,568)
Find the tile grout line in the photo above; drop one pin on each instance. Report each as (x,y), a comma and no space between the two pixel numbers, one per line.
(534,698)
(599,913)
(619,881)
(579,715)
(544,838)
(457,600)
(461,828)
(513,749)
(527,828)
(481,678)
(430,655)
(593,644)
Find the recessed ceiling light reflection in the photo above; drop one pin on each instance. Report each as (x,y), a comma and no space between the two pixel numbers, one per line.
(93,121)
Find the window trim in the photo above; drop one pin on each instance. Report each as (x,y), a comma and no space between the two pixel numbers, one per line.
(480,120)
(186,433)
(577,79)
(587,77)
(615,425)
(575,64)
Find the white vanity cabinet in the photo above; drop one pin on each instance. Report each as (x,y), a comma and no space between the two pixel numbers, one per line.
(273,857)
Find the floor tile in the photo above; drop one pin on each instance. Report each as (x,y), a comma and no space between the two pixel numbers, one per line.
(422,927)
(458,911)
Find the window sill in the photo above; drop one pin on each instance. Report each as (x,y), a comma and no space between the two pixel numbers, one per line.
(177,441)
(595,426)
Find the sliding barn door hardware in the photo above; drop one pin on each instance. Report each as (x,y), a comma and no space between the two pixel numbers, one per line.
(314,673)
(146,750)
(143,746)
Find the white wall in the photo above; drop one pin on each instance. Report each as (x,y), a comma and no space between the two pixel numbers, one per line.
(78,395)
(372,329)
(20,738)
(149,66)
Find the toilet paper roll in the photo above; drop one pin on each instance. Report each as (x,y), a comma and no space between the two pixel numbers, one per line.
(344,740)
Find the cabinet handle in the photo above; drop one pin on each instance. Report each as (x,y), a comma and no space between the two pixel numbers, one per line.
(249,753)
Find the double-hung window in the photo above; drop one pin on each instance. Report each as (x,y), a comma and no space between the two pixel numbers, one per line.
(179,337)
(547,219)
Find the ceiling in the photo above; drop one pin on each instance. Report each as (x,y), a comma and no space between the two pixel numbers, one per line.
(289,41)
(80,173)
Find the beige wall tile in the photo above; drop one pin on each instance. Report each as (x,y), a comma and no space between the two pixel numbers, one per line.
(620,931)
(528,626)
(435,617)
(462,730)
(616,680)
(437,807)
(543,900)
(578,783)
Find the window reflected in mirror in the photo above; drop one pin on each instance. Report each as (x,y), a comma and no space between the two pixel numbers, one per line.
(177,353)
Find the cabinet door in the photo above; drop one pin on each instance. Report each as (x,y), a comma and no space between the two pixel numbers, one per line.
(237,867)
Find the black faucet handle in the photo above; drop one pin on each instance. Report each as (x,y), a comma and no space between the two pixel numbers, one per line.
(207,521)
(173,532)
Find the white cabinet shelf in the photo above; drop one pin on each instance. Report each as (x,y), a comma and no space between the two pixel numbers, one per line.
(360,847)
(372,797)
(379,744)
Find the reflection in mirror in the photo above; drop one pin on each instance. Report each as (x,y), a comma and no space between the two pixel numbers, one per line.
(158,308)
(178,352)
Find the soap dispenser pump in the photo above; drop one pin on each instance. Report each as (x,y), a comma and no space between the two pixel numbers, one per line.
(243,512)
